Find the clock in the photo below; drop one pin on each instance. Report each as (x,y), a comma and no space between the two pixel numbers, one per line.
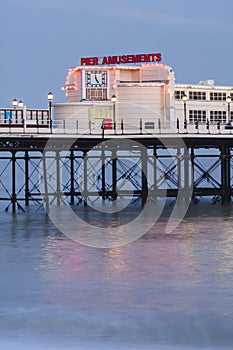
(96,78)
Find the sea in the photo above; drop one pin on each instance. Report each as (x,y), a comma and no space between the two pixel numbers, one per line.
(164,290)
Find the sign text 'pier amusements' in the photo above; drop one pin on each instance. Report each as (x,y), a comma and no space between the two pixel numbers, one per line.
(124,59)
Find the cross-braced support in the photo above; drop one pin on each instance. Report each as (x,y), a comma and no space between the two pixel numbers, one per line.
(86,175)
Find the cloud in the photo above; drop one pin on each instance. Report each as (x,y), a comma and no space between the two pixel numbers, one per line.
(123,10)
(166,19)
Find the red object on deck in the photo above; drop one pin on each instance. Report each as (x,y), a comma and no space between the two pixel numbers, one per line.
(107,124)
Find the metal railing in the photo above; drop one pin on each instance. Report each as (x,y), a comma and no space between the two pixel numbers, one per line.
(38,121)
(19,116)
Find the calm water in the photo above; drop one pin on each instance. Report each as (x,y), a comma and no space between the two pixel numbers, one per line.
(164,291)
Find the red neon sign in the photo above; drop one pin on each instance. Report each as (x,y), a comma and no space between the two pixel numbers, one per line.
(124,59)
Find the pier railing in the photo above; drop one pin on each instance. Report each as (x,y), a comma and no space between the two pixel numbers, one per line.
(38,121)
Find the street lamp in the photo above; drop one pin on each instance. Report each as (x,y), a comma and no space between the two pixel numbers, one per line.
(50,98)
(228,100)
(185,99)
(15,103)
(114,99)
(20,104)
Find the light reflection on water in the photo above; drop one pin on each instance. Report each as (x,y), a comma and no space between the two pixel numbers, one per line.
(174,288)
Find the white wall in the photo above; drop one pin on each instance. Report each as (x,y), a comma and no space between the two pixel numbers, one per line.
(137,103)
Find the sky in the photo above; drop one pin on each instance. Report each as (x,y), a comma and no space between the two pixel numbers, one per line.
(41,39)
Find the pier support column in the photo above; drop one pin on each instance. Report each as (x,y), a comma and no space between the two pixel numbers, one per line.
(103,170)
(58,189)
(46,193)
(85,178)
(13,183)
(155,171)
(179,172)
(193,177)
(71,177)
(114,175)
(187,177)
(225,174)
(26,160)
(144,190)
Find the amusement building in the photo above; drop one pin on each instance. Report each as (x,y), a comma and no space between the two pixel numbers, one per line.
(139,90)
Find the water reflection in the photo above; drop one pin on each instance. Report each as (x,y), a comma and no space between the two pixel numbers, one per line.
(116,263)
(160,285)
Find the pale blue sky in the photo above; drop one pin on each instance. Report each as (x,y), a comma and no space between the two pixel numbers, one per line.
(41,39)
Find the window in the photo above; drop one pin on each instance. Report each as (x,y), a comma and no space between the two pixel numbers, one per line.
(231,94)
(218,116)
(197,95)
(218,96)
(98,94)
(178,94)
(149,125)
(197,116)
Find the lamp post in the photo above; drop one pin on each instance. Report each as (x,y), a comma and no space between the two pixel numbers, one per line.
(114,99)
(24,113)
(185,99)
(21,105)
(228,100)
(15,104)
(50,98)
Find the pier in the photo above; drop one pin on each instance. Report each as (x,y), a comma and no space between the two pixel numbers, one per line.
(44,161)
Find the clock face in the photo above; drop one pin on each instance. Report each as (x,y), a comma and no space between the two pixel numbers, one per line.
(96,79)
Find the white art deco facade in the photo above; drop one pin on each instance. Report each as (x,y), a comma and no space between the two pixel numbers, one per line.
(142,92)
